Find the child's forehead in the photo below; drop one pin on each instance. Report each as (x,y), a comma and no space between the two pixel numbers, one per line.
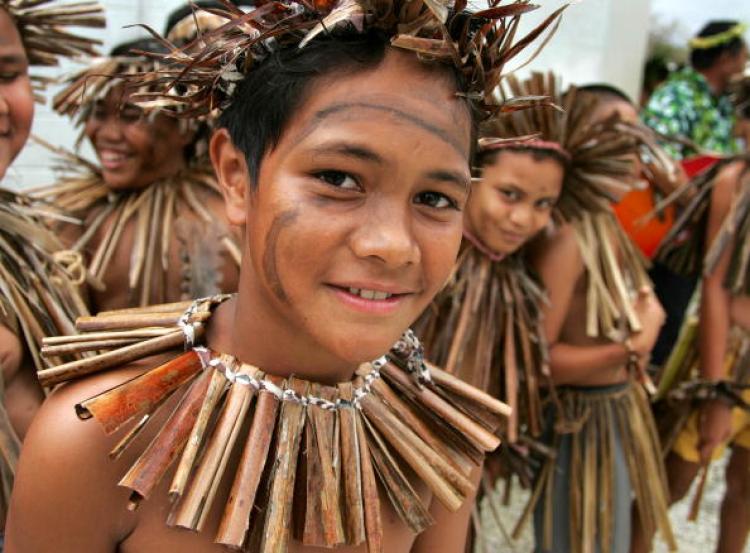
(10,37)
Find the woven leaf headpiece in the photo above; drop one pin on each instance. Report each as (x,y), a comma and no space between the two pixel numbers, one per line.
(478,44)
(600,155)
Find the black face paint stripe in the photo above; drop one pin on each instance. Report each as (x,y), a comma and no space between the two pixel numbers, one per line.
(270,266)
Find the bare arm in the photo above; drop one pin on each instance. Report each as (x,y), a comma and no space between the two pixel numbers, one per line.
(65,498)
(715,299)
(714,324)
(558,261)
(451,530)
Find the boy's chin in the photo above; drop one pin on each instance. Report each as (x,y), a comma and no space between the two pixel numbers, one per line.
(368,348)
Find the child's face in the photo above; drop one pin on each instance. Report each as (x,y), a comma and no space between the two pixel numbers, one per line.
(357,217)
(513,201)
(133,149)
(16,98)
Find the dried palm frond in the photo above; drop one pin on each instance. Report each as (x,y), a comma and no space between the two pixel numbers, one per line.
(104,75)
(479,44)
(39,297)
(684,250)
(607,420)
(485,327)
(43,25)
(39,293)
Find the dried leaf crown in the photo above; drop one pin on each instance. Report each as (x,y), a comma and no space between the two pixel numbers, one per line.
(83,88)
(103,75)
(478,44)
(43,24)
(599,155)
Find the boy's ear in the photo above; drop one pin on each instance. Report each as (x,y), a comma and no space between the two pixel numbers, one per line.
(232,174)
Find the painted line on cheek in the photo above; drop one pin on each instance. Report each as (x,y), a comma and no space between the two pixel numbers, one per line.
(270,267)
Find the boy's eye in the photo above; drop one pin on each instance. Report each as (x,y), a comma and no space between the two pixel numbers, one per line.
(435,200)
(338,179)
(9,76)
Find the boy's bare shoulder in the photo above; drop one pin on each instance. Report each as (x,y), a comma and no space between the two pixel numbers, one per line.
(66,461)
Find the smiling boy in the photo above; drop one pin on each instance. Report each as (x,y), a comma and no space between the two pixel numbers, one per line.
(154,229)
(347,162)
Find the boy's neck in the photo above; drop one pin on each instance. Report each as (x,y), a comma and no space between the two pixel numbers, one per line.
(243,328)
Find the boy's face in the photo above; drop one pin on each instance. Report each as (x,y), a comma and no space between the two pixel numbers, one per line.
(356,220)
(133,149)
(513,201)
(16,98)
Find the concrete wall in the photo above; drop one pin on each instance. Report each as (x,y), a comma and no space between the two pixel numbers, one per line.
(598,40)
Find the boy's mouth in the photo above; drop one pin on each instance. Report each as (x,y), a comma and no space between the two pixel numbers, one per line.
(382,300)
(113,159)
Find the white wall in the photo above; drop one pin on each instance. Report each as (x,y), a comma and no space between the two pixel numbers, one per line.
(598,40)
(691,15)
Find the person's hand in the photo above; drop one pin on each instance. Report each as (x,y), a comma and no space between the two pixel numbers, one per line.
(651,315)
(714,427)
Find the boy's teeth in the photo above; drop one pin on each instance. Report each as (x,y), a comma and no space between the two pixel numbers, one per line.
(369,294)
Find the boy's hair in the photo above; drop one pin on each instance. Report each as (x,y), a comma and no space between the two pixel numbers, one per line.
(606,92)
(705,58)
(268,96)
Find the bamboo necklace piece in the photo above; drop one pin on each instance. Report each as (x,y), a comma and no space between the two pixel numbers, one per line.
(395,418)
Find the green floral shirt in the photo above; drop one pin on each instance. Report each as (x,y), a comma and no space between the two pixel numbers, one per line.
(685,106)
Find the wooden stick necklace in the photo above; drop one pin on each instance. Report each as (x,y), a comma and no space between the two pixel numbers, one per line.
(395,417)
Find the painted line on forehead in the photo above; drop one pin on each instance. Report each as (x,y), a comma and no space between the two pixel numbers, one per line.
(350,109)
(270,264)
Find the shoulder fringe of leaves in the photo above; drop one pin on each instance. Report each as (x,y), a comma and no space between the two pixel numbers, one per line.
(683,249)
(44,28)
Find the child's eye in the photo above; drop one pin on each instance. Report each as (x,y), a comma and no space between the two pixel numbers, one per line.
(338,179)
(509,194)
(545,204)
(9,76)
(131,115)
(435,200)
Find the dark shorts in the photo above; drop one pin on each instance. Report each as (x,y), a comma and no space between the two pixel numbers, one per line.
(674,292)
